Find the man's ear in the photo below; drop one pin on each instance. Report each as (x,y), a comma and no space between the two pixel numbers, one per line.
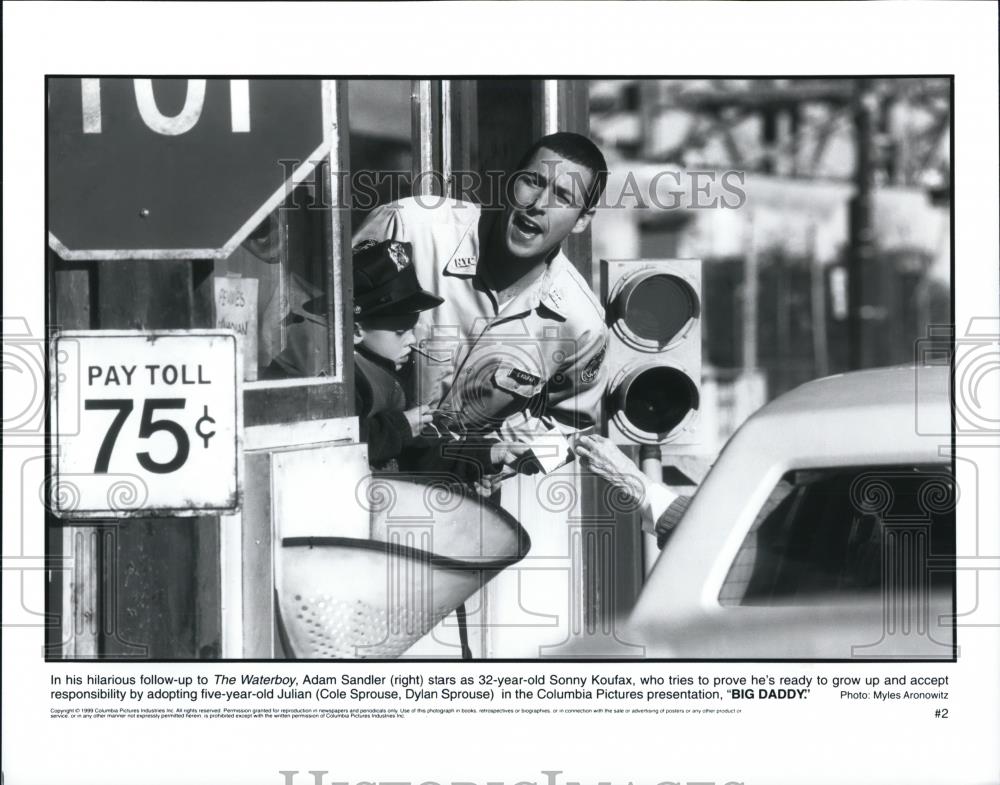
(359,333)
(583,221)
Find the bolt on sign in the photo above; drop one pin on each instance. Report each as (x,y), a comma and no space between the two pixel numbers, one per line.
(176,168)
(145,423)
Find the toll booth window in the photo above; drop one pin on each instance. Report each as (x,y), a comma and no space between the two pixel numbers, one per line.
(272,291)
(833,533)
(379,115)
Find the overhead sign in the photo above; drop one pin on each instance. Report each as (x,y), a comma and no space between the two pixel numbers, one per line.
(145,423)
(175,168)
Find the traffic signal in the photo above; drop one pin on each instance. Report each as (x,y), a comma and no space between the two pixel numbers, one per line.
(653,309)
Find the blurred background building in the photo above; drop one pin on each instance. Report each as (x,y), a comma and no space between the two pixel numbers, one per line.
(842,180)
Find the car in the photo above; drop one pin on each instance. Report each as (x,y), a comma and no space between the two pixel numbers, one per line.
(825,530)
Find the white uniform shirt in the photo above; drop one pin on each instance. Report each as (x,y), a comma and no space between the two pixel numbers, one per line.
(546,345)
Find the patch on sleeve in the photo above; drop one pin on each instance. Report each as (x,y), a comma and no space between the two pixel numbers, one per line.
(589,373)
(364,244)
(517,381)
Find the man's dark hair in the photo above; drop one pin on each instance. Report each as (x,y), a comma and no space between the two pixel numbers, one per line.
(580,150)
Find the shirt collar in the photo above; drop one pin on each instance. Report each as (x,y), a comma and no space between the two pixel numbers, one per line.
(552,285)
(548,291)
(376,359)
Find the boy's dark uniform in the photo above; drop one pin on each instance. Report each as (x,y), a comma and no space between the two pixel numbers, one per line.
(380,401)
(385,284)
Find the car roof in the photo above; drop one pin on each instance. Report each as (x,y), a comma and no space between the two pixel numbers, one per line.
(901,410)
(874,388)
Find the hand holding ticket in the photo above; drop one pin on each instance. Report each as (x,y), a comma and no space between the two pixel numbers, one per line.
(547,450)
(549,446)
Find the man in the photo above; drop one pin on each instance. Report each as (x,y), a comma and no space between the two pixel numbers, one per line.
(515,353)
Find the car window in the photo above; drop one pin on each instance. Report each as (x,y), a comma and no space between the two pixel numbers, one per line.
(834,532)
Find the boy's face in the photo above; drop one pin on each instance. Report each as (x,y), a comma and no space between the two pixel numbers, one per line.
(548,201)
(390,337)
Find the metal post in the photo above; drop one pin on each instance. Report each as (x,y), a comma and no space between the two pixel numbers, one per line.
(860,239)
(550,106)
(425,124)
(447,143)
(651,463)
(648,98)
(338,232)
(231,584)
(81,589)
(821,358)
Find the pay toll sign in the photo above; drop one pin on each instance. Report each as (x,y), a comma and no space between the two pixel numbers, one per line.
(145,423)
(122,374)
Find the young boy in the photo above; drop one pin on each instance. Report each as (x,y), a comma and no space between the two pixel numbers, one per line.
(388,301)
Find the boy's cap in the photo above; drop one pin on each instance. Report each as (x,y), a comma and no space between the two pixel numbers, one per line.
(385,282)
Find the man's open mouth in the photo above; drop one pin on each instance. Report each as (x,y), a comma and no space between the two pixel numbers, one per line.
(526,226)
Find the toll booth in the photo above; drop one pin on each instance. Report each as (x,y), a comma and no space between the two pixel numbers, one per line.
(203,586)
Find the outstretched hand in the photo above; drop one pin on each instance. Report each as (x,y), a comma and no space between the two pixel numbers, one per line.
(604,459)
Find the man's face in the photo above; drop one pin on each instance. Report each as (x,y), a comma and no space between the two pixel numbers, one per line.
(546,204)
(390,337)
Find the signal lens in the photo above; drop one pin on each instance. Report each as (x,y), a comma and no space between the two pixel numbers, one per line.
(657,399)
(657,308)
